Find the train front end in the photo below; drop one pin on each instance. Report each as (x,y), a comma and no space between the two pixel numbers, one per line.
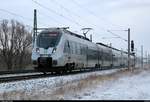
(45,48)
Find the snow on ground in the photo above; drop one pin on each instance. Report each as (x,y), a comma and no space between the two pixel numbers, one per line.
(129,86)
(103,85)
(43,88)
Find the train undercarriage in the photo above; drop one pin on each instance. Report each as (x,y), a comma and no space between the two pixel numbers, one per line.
(45,65)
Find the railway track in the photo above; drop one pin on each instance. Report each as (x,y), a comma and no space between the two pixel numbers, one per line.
(5,79)
(17,72)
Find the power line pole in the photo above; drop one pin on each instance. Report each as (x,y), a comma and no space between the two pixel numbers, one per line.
(121,57)
(146,55)
(148,60)
(142,56)
(128,48)
(34,26)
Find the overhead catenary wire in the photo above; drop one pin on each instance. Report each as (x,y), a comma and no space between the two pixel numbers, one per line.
(98,18)
(14,14)
(3,10)
(17,15)
(87,21)
(66,9)
(70,12)
(75,14)
(53,11)
(117,35)
(53,19)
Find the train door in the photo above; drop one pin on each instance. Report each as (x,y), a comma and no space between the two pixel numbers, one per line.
(87,59)
(102,58)
(67,51)
(121,58)
(111,57)
(99,57)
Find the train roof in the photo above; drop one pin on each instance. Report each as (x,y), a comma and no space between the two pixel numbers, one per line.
(65,30)
(107,46)
(112,47)
(82,37)
(77,35)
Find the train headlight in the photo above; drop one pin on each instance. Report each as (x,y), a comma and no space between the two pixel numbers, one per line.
(37,50)
(54,50)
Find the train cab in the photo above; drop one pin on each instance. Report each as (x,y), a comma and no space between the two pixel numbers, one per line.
(45,47)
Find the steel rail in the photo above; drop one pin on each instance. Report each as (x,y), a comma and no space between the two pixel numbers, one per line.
(17,72)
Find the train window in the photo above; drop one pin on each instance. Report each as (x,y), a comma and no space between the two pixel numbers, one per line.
(100,55)
(106,56)
(67,47)
(81,49)
(92,54)
(75,48)
(78,48)
(48,39)
(71,47)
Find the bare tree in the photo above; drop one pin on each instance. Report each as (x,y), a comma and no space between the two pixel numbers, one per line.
(14,43)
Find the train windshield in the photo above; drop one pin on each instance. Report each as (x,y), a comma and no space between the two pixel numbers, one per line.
(48,39)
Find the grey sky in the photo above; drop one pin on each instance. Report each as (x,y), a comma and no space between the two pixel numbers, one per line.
(101,15)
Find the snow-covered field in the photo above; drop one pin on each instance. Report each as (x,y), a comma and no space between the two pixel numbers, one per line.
(128,86)
(110,84)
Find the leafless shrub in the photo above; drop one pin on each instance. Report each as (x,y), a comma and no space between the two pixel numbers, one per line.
(15,41)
